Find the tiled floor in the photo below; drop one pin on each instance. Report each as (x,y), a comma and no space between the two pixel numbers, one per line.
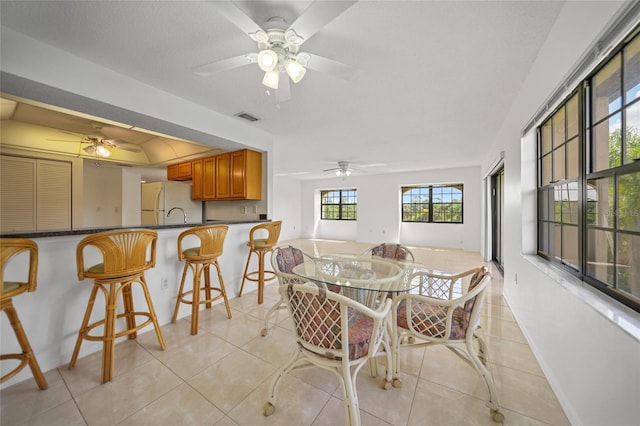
(220,376)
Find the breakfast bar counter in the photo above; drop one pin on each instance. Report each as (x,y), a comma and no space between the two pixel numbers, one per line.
(51,315)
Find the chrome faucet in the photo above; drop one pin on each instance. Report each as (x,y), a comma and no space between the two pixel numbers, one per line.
(178,208)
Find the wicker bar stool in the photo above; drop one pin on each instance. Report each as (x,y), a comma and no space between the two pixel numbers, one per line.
(261,246)
(199,260)
(125,257)
(10,248)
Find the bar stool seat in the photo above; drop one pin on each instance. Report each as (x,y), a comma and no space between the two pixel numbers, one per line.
(199,260)
(10,248)
(125,256)
(261,246)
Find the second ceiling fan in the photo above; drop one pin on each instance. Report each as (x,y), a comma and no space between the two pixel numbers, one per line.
(278,46)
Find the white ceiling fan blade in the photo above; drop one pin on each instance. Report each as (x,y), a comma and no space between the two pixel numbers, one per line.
(236,16)
(121,144)
(331,67)
(284,88)
(317,15)
(222,65)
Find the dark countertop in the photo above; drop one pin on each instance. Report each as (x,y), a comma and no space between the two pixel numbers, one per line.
(87,231)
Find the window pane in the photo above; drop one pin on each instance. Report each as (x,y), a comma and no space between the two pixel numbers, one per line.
(570,203)
(543,237)
(557,204)
(546,170)
(543,205)
(628,213)
(558,164)
(556,241)
(572,117)
(570,245)
(601,205)
(600,255)
(628,279)
(632,135)
(607,144)
(632,70)
(546,137)
(573,159)
(558,128)
(606,90)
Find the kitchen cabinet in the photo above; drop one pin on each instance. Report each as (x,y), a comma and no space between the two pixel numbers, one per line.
(203,179)
(180,171)
(231,176)
(239,175)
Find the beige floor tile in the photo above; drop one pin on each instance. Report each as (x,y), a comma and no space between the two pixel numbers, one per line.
(112,402)
(87,373)
(228,381)
(297,403)
(180,406)
(334,413)
(274,348)
(65,414)
(238,331)
(24,401)
(529,395)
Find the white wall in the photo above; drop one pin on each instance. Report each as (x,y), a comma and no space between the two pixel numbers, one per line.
(583,340)
(379,206)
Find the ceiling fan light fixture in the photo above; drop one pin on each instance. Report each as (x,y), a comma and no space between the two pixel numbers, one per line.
(101,151)
(295,70)
(271,79)
(267,60)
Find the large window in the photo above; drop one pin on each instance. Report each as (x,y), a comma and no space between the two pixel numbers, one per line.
(589,178)
(339,204)
(432,203)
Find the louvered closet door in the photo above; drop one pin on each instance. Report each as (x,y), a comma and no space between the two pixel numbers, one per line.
(35,195)
(53,196)
(17,194)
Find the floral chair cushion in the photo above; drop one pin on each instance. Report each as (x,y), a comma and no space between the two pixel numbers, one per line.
(318,322)
(390,251)
(430,320)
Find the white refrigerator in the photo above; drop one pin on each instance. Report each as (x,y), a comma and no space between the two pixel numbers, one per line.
(159,198)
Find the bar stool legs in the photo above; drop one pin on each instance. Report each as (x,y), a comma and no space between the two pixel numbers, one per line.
(26,357)
(111,291)
(199,269)
(259,276)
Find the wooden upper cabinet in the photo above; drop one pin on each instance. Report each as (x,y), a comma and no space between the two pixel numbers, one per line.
(223,175)
(197,181)
(180,171)
(231,176)
(239,175)
(209,178)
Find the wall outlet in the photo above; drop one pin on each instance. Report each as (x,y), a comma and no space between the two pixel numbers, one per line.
(255,209)
(164,284)
(516,278)
(243,209)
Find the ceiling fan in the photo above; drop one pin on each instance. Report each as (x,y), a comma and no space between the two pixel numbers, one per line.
(278,46)
(98,144)
(343,169)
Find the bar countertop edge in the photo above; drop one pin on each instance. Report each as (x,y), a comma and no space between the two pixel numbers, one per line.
(87,231)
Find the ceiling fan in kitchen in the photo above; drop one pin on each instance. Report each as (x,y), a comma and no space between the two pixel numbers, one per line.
(278,51)
(100,145)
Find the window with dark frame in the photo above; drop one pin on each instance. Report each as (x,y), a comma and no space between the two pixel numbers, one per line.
(589,178)
(432,203)
(339,204)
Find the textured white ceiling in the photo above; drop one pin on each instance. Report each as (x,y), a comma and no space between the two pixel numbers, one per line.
(435,78)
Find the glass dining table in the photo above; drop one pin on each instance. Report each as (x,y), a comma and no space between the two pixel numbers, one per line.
(367,280)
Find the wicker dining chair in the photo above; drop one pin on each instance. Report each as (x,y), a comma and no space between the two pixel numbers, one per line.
(335,333)
(390,251)
(445,310)
(126,255)
(283,260)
